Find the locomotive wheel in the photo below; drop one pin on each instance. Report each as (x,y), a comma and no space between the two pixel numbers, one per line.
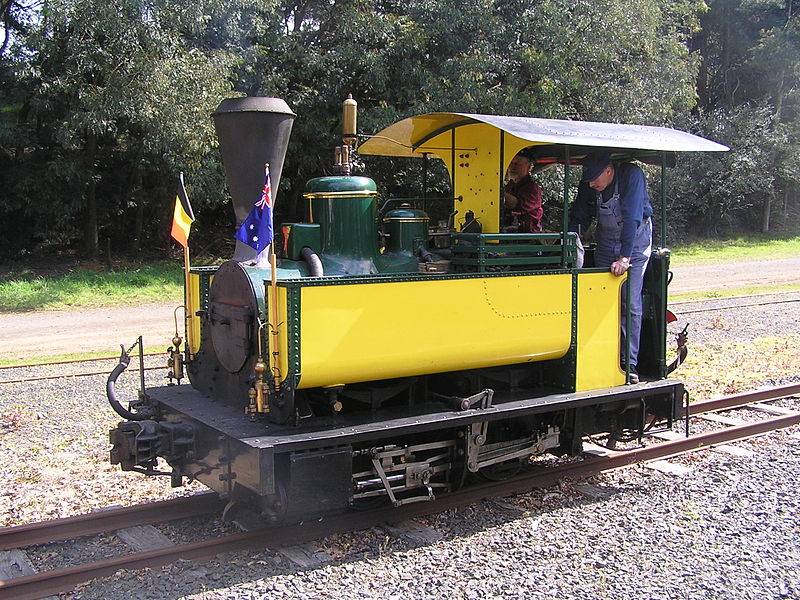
(275,507)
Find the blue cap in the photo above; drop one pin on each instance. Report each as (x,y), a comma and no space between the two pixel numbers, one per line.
(594,164)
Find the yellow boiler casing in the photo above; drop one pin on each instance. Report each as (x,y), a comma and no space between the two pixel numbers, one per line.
(355,330)
(369,330)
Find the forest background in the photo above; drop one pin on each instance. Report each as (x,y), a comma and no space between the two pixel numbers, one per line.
(104,102)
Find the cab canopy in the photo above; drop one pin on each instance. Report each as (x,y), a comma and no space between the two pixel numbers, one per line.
(477,149)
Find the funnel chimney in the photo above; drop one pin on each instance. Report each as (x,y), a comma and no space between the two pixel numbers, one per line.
(252,131)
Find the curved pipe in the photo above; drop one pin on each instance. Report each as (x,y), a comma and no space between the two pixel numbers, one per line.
(313,262)
(425,255)
(124,361)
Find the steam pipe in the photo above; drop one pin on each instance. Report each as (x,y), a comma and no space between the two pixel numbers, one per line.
(313,261)
(124,361)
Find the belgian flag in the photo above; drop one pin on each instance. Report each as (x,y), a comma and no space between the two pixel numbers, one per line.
(183,217)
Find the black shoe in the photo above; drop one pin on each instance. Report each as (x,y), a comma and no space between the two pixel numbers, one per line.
(633,376)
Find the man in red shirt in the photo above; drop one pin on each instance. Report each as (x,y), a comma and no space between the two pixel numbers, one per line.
(523,196)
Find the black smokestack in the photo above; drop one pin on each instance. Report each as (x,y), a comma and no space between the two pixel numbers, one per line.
(252,131)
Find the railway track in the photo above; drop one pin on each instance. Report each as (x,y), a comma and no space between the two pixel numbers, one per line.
(70,361)
(57,581)
(692,311)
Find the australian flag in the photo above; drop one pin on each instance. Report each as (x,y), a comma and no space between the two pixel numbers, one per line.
(256,229)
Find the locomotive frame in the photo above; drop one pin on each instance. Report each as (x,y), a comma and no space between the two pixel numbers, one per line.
(306,399)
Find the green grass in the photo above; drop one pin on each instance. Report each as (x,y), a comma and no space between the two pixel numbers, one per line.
(741,248)
(82,287)
(74,356)
(24,290)
(753,290)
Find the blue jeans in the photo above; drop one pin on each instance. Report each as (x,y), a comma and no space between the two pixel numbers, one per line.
(607,252)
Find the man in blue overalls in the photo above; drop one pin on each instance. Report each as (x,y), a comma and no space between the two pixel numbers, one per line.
(616,195)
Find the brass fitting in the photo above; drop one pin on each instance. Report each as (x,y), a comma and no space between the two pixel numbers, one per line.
(343,155)
(332,395)
(175,360)
(260,367)
(349,121)
(260,386)
(251,408)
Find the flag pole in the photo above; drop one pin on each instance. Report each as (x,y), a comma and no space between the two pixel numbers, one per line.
(187,293)
(182,220)
(276,373)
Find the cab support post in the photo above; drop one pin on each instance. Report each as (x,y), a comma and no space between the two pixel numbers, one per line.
(662,334)
(663,199)
(502,172)
(425,181)
(565,217)
(627,285)
(453,160)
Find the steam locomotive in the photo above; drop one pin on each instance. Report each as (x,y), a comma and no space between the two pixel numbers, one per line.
(380,358)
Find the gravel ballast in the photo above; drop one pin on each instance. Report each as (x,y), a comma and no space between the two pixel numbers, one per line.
(718,532)
(727,529)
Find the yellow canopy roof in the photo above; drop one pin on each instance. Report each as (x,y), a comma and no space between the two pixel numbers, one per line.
(409,137)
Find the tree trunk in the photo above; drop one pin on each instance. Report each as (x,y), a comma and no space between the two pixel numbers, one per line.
(166,203)
(779,97)
(700,45)
(766,214)
(90,218)
(776,120)
(726,53)
(138,228)
(90,224)
(785,203)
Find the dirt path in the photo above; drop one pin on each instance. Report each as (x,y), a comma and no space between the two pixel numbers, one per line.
(49,333)
(719,276)
(52,333)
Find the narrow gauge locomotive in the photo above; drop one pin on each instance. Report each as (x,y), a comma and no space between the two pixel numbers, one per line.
(386,360)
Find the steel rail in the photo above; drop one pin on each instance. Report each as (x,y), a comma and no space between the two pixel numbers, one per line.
(732,306)
(54,582)
(739,400)
(58,581)
(67,375)
(71,361)
(721,299)
(108,520)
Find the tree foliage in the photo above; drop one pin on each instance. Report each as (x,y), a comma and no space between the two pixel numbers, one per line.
(103,103)
(749,88)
